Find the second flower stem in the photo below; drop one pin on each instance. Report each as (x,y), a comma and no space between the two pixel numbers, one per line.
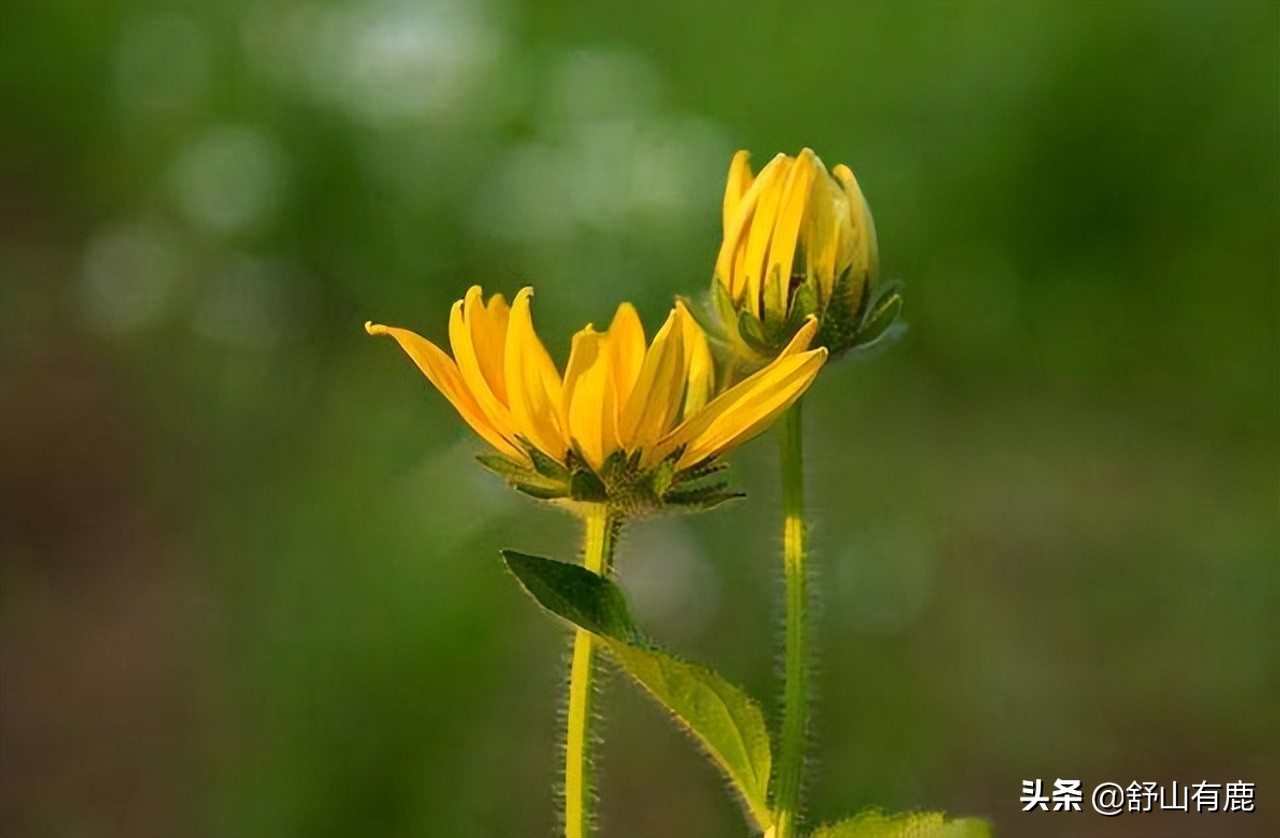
(597,556)
(795,712)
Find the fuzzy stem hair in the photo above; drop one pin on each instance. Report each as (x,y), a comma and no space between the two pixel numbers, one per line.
(599,540)
(795,706)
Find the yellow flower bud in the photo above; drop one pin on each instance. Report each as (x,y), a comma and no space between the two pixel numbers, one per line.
(798,241)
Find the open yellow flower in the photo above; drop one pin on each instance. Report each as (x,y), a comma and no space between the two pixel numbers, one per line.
(798,241)
(626,420)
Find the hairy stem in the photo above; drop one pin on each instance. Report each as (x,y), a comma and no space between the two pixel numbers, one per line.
(597,556)
(795,712)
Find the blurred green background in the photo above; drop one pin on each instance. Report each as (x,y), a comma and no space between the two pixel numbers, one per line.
(250,573)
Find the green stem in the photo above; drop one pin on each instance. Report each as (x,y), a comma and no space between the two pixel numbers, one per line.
(597,556)
(795,713)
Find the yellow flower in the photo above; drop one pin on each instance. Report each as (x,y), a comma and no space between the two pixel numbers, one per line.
(798,241)
(628,423)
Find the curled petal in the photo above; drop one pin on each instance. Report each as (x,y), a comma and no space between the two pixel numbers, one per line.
(701,427)
(627,349)
(655,399)
(534,388)
(699,365)
(793,202)
(761,232)
(478,351)
(776,389)
(864,252)
(443,374)
(593,410)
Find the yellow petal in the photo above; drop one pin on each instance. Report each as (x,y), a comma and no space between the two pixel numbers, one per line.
(593,411)
(583,353)
(763,400)
(699,366)
(626,347)
(825,232)
(698,423)
(478,352)
(730,263)
(655,399)
(772,179)
(737,186)
(794,201)
(739,181)
(533,384)
(499,311)
(865,257)
(492,361)
(443,373)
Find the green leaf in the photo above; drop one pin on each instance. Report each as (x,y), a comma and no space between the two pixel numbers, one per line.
(875,824)
(724,719)
(573,593)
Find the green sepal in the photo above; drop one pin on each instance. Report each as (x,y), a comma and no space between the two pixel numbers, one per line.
(663,475)
(723,305)
(539,492)
(804,302)
(881,313)
(751,330)
(709,317)
(504,467)
(701,498)
(543,464)
(616,466)
(523,479)
(874,824)
(774,315)
(586,487)
(727,723)
(704,469)
(880,326)
(843,315)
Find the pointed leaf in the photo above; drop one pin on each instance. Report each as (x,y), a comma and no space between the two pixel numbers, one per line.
(573,593)
(874,824)
(724,719)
